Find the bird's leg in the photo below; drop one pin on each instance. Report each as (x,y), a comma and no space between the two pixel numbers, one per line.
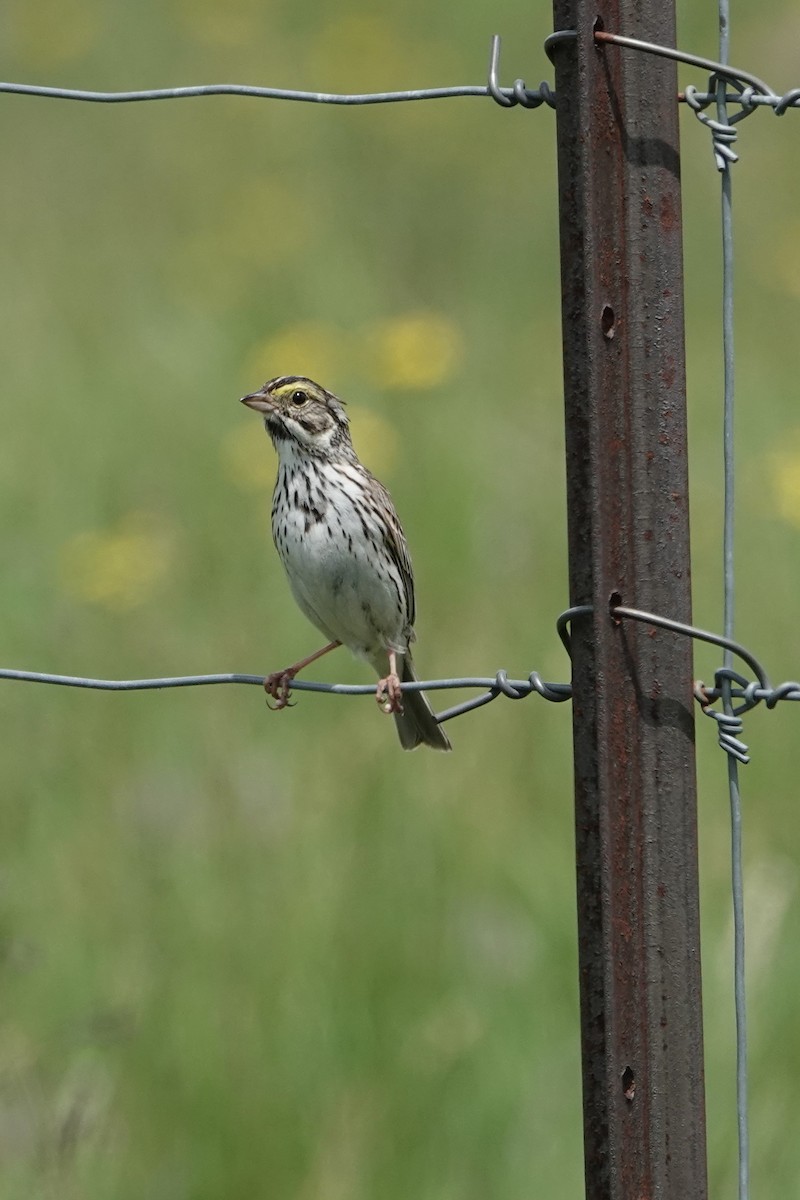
(277,684)
(389,694)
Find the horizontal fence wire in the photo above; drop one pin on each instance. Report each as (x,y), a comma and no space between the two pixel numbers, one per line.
(507,97)
(745,693)
(751,92)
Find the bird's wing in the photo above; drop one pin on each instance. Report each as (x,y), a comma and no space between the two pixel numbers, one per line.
(397,548)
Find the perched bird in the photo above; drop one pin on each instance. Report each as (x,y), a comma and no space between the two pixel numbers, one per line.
(343,548)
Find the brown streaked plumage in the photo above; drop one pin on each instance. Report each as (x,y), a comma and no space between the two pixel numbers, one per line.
(345,554)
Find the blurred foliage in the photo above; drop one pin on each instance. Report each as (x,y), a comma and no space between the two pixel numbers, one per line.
(246,955)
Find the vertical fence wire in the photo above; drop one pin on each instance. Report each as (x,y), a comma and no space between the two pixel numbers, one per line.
(729,589)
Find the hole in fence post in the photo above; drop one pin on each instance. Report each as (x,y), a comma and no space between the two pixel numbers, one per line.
(628,1084)
(607,322)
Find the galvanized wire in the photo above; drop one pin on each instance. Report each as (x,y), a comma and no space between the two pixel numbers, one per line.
(721,68)
(751,92)
(507,97)
(745,693)
(724,165)
(493,686)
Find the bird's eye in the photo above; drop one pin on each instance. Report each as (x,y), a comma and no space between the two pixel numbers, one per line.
(299,398)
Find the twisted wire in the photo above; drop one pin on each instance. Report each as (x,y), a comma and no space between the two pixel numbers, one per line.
(729,720)
(494,686)
(749,91)
(723,132)
(507,97)
(746,695)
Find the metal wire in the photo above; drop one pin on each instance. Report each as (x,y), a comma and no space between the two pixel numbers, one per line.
(720,68)
(746,694)
(618,611)
(494,686)
(751,92)
(734,758)
(505,96)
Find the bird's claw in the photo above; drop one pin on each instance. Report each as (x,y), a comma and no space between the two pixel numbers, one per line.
(278,685)
(389,695)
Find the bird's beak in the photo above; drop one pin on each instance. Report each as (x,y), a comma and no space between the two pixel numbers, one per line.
(258,401)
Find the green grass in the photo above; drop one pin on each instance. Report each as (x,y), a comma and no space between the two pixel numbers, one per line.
(258,955)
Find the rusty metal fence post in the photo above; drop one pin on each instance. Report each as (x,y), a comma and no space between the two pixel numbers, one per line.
(633,724)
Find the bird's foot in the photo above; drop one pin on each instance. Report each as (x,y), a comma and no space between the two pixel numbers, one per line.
(389,694)
(278,686)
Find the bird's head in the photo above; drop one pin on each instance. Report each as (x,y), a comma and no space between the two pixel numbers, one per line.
(301,415)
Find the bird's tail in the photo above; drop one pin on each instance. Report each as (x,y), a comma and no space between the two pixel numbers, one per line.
(416,724)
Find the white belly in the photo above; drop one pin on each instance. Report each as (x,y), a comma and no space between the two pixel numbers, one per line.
(344,584)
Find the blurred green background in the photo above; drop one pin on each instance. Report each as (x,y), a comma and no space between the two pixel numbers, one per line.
(250,955)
